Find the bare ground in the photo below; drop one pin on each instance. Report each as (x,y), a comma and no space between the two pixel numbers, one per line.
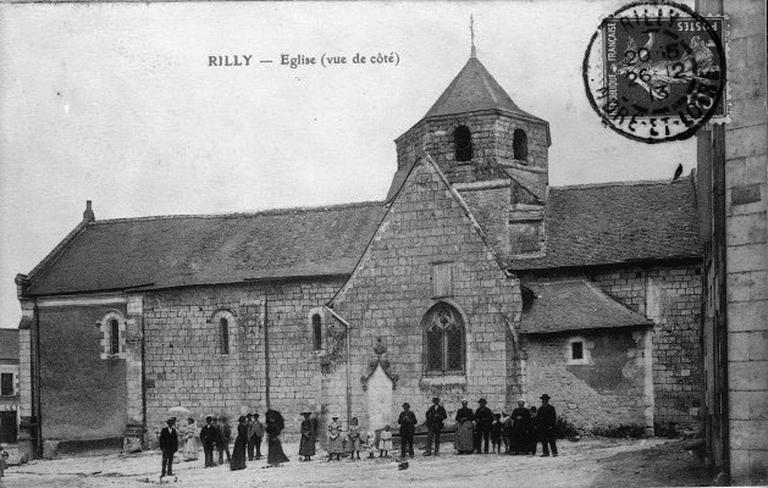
(591,462)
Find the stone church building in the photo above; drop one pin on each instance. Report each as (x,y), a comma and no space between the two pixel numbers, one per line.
(472,278)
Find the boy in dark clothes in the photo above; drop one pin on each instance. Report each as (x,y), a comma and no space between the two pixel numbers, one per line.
(496,433)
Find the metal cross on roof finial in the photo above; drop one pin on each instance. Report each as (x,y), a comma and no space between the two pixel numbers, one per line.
(473,52)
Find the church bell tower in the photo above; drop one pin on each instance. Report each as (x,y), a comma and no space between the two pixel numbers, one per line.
(490,150)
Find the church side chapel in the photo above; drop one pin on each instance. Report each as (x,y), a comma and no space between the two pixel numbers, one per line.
(472,278)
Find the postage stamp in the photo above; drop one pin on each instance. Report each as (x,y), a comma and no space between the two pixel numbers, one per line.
(655,71)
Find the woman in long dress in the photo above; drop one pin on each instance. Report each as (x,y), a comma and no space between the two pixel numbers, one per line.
(189,437)
(335,442)
(275,425)
(307,442)
(241,442)
(464,432)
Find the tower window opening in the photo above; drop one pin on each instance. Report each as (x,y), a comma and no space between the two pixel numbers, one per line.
(520,145)
(462,140)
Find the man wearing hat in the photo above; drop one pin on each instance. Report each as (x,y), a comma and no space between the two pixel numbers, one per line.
(407,421)
(169,444)
(435,417)
(546,419)
(484,421)
(209,436)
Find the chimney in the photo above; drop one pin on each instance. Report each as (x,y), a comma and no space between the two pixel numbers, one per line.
(88,213)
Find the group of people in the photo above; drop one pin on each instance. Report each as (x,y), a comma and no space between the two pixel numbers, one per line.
(476,432)
(356,441)
(250,432)
(517,433)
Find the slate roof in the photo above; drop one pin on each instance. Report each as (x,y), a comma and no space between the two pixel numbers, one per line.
(612,223)
(473,89)
(9,346)
(574,305)
(160,252)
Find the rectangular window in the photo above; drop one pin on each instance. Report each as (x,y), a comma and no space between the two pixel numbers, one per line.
(442,280)
(577,350)
(6,384)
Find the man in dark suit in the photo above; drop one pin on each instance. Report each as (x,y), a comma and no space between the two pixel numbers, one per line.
(169,444)
(484,421)
(435,417)
(546,420)
(407,421)
(208,436)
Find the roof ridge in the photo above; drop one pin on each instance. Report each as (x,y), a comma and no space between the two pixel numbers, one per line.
(619,183)
(271,211)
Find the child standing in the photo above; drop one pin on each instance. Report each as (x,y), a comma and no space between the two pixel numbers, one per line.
(496,433)
(335,443)
(3,462)
(385,444)
(370,443)
(354,439)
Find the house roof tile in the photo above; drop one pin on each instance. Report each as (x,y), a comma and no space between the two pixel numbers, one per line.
(174,251)
(561,306)
(617,223)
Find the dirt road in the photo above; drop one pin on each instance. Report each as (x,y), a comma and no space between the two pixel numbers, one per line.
(592,462)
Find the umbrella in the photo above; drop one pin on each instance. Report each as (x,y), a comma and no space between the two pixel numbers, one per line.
(179,411)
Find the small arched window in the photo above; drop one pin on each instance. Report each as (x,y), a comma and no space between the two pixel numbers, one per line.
(443,340)
(113,330)
(114,336)
(224,335)
(462,140)
(317,331)
(520,145)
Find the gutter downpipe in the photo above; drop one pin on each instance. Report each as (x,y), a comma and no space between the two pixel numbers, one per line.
(266,353)
(347,328)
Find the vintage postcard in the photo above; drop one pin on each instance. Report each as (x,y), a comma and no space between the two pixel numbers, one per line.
(383,243)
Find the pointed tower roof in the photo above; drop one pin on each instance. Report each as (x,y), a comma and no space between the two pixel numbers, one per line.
(474,89)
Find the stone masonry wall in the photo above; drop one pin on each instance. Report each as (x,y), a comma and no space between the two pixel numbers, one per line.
(671,297)
(607,388)
(391,290)
(746,201)
(82,395)
(492,138)
(185,365)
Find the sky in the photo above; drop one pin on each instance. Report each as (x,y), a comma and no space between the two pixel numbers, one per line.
(117,103)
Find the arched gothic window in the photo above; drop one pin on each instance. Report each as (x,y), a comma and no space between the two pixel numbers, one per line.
(462,141)
(520,145)
(443,340)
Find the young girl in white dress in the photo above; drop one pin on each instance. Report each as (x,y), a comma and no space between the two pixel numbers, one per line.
(385,441)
